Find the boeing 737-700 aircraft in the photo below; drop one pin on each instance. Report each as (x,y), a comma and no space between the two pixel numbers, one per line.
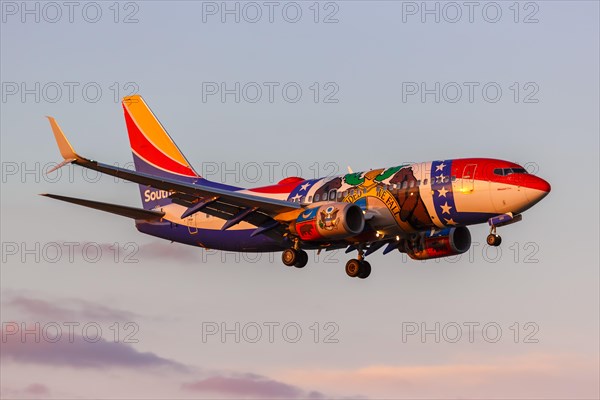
(420,209)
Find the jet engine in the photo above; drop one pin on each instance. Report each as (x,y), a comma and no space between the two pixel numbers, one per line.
(436,244)
(329,221)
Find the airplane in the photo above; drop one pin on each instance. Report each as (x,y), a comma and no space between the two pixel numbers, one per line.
(421,209)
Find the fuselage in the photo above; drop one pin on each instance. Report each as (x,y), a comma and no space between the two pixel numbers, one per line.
(396,201)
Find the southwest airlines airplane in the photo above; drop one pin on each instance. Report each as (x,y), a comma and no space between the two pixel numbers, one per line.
(421,209)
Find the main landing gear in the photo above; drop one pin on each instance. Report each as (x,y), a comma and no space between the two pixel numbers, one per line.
(493,239)
(296,257)
(358,267)
(355,268)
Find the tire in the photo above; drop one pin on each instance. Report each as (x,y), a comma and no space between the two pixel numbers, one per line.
(289,257)
(353,268)
(365,270)
(498,240)
(493,240)
(302,259)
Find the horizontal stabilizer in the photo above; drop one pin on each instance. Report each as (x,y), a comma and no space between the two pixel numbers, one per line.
(124,211)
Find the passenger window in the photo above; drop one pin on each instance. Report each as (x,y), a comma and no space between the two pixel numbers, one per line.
(453,178)
(332,195)
(317,196)
(345,193)
(446,179)
(411,184)
(310,199)
(419,182)
(302,199)
(425,181)
(404,184)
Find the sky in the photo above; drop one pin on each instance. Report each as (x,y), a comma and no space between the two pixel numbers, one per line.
(257,91)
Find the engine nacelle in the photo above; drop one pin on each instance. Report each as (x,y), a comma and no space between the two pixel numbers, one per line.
(329,221)
(444,243)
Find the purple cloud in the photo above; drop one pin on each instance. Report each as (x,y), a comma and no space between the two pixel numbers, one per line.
(80,353)
(68,310)
(249,385)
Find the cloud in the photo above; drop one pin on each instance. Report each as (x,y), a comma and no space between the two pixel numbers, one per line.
(522,376)
(67,310)
(31,391)
(76,352)
(249,385)
(37,389)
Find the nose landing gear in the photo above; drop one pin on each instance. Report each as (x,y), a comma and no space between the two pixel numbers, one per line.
(493,239)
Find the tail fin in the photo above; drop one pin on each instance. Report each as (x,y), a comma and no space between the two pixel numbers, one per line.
(154,152)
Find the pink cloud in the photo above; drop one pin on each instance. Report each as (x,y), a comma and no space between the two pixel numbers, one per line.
(37,389)
(249,385)
(523,376)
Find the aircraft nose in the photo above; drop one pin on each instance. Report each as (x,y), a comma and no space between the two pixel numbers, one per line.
(536,189)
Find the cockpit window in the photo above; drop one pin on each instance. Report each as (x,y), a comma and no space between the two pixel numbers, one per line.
(508,171)
(518,171)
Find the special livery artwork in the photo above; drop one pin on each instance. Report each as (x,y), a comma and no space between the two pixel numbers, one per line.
(396,189)
(421,209)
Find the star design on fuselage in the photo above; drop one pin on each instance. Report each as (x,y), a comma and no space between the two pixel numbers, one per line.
(450,221)
(442,192)
(296,197)
(304,187)
(446,208)
(440,167)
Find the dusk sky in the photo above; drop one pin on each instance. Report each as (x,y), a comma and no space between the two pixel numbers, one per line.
(253,92)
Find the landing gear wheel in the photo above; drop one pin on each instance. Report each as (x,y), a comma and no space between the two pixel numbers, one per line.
(494,240)
(365,270)
(302,259)
(289,257)
(353,268)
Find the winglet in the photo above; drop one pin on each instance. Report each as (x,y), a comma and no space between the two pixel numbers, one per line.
(66,150)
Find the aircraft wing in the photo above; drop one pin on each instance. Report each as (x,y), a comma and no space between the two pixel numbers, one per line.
(124,211)
(229,205)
